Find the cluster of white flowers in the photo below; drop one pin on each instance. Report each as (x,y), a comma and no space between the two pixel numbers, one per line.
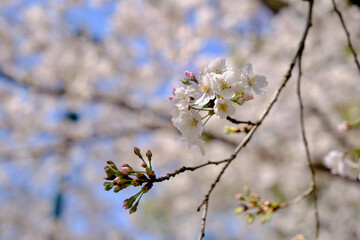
(343,164)
(216,92)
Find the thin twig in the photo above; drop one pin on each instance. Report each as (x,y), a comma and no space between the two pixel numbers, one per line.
(306,145)
(347,35)
(303,195)
(183,169)
(203,222)
(247,138)
(239,122)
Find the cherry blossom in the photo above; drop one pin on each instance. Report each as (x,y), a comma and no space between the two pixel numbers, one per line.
(189,124)
(224,108)
(253,81)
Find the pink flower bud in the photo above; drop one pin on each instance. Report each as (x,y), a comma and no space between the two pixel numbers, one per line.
(149,155)
(241,101)
(137,152)
(117,180)
(124,170)
(248,96)
(238,196)
(189,75)
(144,165)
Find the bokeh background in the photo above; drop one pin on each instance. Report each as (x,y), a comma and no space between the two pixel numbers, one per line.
(82,82)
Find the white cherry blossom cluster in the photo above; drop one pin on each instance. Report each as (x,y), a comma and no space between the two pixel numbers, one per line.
(216,92)
(343,164)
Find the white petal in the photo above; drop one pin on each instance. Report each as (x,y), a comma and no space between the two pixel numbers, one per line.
(261,81)
(249,69)
(257,90)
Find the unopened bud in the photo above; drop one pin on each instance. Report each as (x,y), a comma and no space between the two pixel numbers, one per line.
(134,208)
(125,170)
(137,152)
(149,155)
(111,174)
(229,130)
(112,164)
(117,188)
(248,96)
(185,81)
(128,202)
(191,76)
(109,162)
(144,165)
(108,186)
(116,180)
(238,196)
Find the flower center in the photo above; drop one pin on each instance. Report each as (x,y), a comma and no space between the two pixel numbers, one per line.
(222,107)
(251,80)
(193,123)
(205,88)
(224,84)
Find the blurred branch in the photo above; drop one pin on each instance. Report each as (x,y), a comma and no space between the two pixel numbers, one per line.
(325,123)
(28,85)
(303,195)
(347,35)
(312,187)
(275,5)
(97,96)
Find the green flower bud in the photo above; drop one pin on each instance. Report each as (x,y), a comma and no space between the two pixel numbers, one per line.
(134,208)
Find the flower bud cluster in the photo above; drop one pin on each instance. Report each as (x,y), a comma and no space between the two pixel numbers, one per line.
(125,176)
(216,92)
(251,204)
(344,164)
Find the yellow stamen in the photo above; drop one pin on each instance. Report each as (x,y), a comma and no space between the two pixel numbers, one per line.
(251,80)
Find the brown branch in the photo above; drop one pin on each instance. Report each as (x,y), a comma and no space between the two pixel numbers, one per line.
(312,187)
(303,195)
(183,169)
(203,222)
(247,138)
(239,122)
(347,35)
